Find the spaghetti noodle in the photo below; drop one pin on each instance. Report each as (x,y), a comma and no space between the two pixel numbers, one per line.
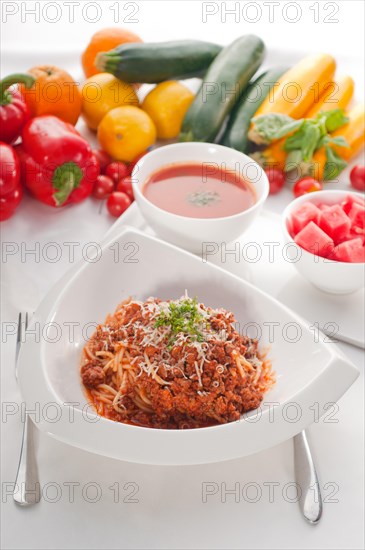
(173,364)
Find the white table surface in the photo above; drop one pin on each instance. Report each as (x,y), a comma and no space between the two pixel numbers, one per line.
(169,511)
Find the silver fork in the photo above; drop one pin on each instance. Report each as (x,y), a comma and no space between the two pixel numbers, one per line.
(26,489)
(310,500)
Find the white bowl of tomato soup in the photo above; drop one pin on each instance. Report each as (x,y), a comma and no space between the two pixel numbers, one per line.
(192,194)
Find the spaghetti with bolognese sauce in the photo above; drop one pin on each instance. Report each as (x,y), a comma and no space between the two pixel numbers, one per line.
(173,364)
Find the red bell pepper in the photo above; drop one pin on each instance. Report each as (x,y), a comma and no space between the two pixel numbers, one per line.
(14,113)
(10,187)
(58,165)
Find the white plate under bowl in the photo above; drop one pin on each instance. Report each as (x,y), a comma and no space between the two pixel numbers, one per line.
(308,371)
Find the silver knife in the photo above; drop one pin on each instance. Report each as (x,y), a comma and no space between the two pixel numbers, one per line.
(310,499)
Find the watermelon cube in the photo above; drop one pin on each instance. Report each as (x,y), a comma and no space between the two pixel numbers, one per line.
(349,201)
(314,240)
(322,206)
(357,215)
(356,232)
(350,251)
(335,223)
(306,213)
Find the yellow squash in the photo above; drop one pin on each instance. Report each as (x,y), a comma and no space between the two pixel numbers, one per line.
(354,134)
(336,95)
(297,89)
(273,156)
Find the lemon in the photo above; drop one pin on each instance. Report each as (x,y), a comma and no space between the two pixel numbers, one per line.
(167,104)
(103,92)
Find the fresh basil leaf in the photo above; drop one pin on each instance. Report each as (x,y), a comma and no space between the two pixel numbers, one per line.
(321,123)
(311,136)
(323,140)
(267,127)
(334,164)
(338,140)
(272,118)
(293,160)
(306,139)
(294,142)
(334,119)
(288,128)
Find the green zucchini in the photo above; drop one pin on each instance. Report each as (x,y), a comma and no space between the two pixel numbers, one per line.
(155,62)
(235,134)
(223,85)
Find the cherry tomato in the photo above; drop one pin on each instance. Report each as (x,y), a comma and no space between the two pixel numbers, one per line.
(103,186)
(357,177)
(117,171)
(276,179)
(103,158)
(118,203)
(125,186)
(9,203)
(132,164)
(306,185)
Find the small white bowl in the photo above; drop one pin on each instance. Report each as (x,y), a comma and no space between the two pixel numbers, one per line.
(328,275)
(191,233)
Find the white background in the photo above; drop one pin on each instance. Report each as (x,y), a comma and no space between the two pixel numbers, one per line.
(170,512)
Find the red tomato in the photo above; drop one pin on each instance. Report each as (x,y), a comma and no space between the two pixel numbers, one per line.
(9,203)
(118,203)
(357,177)
(103,186)
(306,185)
(134,162)
(103,158)
(276,179)
(125,186)
(117,171)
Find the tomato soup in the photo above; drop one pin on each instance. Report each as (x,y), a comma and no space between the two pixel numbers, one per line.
(199,190)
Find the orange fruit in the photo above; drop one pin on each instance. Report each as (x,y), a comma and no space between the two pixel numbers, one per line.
(126,132)
(103,41)
(54,93)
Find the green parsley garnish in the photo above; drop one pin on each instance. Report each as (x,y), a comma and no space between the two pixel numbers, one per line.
(203,198)
(184,317)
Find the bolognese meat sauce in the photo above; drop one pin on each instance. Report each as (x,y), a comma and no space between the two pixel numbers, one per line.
(173,364)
